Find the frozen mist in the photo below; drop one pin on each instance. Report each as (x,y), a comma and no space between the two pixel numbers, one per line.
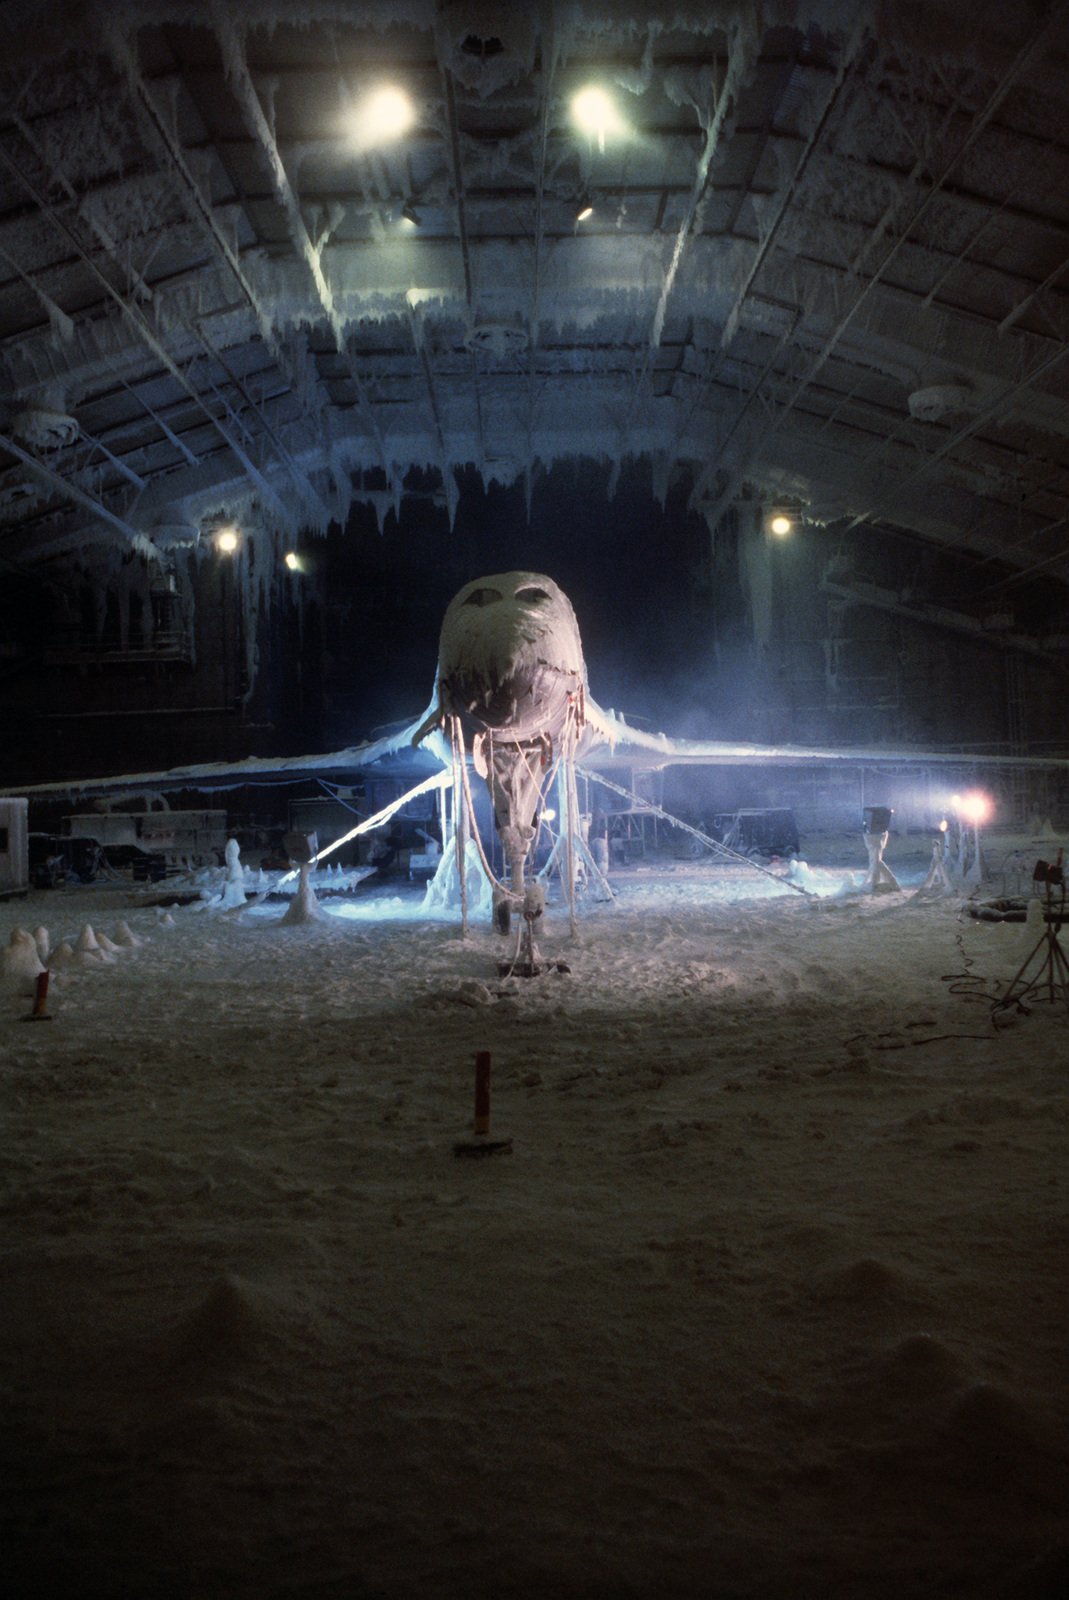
(769,1300)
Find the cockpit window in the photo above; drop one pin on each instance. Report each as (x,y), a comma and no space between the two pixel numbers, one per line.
(482,597)
(532,596)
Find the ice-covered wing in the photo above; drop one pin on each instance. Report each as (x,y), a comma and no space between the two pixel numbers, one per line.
(252,770)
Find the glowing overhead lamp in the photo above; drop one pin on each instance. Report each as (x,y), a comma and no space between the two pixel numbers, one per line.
(383,115)
(596,115)
(584,208)
(782,517)
(973,808)
(226,539)
(292,560)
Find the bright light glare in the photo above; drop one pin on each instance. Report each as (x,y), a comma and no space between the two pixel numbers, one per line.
(548,814)
(385,114)
(587,211)
(781,525)
(595,114)
(226,540)
(293,560)
(973,807)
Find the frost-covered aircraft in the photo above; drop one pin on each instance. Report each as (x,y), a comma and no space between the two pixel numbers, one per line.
(511,700)
(511,689)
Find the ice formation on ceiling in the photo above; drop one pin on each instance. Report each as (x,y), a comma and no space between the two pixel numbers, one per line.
(308,351)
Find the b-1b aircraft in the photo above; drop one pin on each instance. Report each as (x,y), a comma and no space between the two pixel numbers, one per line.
(511,701)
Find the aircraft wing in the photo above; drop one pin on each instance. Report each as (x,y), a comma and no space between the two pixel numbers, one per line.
(340,764)
(619,744)
(615,744)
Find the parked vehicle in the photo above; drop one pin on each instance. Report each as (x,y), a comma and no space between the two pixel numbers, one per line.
(758,831)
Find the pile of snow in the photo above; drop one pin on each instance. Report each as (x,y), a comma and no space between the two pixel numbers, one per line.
(20,962)
(768,1298)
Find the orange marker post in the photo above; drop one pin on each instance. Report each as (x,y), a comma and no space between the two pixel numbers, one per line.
(40,997)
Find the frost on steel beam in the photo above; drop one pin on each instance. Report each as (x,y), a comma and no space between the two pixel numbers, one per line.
(58,320)
(550,58)
(419,341)
(123,54)
(240,80)
(741,58)
(453,157)
(70,491)
(136,318)
(1026,57)
(992,412)
(846,60)
(302,482)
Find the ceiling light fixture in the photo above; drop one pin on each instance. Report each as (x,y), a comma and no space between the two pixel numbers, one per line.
(292,560)
(226,540)
(584,209)
(782,517)
(384,115)
(595,114)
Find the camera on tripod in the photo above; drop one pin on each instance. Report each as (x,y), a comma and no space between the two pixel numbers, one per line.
(1048,873)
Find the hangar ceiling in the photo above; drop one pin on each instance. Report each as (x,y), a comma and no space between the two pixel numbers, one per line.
(823,258)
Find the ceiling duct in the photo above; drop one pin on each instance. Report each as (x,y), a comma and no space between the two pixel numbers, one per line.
(939,400)
(44,429)
(499,339)
(487,43)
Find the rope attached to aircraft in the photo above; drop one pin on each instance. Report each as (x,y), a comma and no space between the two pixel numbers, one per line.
(649,809)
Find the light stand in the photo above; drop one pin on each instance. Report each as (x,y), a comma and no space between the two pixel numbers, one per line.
(1051,972)
(876,825)
(938,879)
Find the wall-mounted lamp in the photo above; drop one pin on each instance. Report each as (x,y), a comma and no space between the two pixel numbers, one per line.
(410,214)
(292,560)
(226,539)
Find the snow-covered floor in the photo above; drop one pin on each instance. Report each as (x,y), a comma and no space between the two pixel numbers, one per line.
(769,1299)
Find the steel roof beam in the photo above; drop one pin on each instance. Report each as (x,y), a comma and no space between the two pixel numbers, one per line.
(1025,58)
(244,91)
(69,491)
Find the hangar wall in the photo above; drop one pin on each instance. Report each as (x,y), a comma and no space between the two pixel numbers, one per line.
(811,639)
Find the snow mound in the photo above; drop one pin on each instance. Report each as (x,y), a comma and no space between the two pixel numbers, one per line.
(88,951)
(20,963)
(236,1322)
(991,1440)
(918,1367)
(869,1282)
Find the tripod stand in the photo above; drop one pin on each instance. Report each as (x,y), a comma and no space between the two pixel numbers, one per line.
(1049,979)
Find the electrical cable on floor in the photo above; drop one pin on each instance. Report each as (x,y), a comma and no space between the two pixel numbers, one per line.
(966,983)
